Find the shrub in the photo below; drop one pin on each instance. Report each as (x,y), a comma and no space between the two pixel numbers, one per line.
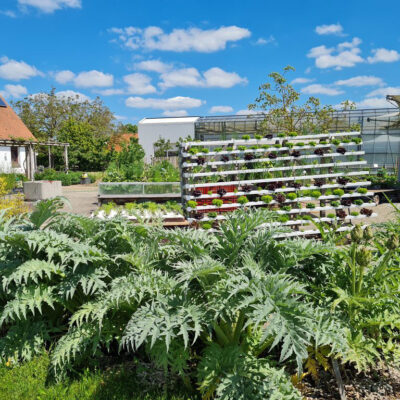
(67,179)
(192,204)
(12,180)
(266,199)
(11,205)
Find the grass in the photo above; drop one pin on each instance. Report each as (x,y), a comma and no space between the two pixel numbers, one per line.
(30,382)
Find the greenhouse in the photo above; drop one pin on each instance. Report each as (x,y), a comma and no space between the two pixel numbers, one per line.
(380,130)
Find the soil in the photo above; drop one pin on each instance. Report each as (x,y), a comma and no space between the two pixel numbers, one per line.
(380,384)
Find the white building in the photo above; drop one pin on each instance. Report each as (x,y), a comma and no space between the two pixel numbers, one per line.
(152,129)
(12,132)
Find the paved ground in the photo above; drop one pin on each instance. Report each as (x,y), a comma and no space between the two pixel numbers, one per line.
(82,198)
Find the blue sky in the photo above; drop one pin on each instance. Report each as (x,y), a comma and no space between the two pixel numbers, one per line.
(164,58)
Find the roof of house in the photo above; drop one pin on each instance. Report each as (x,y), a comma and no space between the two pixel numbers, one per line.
(11,126)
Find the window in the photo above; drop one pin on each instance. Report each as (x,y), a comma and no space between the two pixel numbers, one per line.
(14,157)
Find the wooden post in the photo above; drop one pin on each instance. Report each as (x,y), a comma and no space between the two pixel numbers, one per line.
(31,162)
(66,158)
(27,162)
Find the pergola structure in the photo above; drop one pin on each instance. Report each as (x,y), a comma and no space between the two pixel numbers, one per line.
(31,154)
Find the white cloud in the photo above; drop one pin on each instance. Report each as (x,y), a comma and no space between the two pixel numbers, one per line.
(317,88)
(153,66)
(248,112)
(346,54)
(261,41)
(179,40)
(361,80)
(383,55)
(333,29)
(301,80)
(64,77)
(173,103)
(175,113)
(139,84)
(221,109)
(13,70)
(181,77)
(384,91)
(217,77)
(191,77)
(8,13)
(15,91)
(111,92)
(374,102)
(71,94)
(49,6)
(93,79)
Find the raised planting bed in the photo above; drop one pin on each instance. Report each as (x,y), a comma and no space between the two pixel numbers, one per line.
(310,174)
(125,192)
(169,214)
(42,190)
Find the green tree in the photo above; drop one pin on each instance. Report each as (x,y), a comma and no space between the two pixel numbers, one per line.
(48,116)
(87,150)
(283,109)
(162,147)
(130,128)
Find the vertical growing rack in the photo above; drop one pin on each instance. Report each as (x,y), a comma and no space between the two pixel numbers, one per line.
(317,176)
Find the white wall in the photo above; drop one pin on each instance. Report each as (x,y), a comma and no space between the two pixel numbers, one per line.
(150,130)
(5,160)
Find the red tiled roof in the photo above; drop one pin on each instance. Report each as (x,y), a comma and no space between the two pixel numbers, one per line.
(11,126)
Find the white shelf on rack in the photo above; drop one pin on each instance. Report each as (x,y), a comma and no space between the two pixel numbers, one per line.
(274,169)
(269,180)
(266,141)
(261,203)
(281,190)
(268,149)
(289,158)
